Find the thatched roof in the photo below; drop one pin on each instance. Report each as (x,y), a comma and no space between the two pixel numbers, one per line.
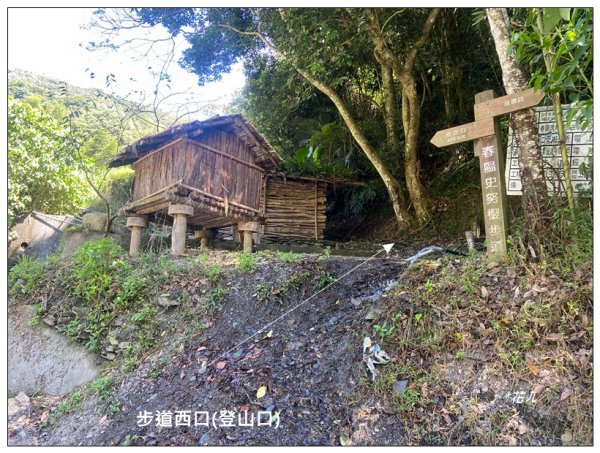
(265,155)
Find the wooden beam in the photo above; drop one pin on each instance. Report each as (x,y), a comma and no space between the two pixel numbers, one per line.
(508,104)
(463,133)
(219,199)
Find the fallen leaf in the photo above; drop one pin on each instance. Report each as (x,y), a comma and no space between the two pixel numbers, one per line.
(479,431)
(538,389)
(261,392)
(567,436)
(567,392)
(534,369)
(578,335)
(532,251)
(484,292)
(220,365)
(539,289)
(44,416)
(345,440)
(553,337)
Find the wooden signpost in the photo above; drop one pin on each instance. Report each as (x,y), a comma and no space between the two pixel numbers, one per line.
(485,131)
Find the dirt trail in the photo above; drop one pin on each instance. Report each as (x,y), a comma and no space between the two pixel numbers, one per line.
(302,381)
(311,364)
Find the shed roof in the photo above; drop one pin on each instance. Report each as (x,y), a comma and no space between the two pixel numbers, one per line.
(264,154)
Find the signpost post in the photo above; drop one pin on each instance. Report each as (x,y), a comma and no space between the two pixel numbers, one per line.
(485,131)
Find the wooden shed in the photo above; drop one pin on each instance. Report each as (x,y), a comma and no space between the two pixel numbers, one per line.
(214,174)
(294,207)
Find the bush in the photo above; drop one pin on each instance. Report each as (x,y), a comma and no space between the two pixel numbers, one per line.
(246,262)
(117,189)
(25,276)
(94,266)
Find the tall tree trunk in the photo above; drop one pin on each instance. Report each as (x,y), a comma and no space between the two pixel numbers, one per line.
(391,114)
(411,121)
(450,70)
(394,189)
(523,123)
(411,106)
(403,217)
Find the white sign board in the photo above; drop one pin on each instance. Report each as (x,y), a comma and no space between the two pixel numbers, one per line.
(579,147)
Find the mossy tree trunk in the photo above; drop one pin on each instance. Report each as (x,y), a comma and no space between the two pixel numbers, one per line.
(411,104)
(523,123)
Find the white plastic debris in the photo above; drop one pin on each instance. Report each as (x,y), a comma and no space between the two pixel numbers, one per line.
(374,355)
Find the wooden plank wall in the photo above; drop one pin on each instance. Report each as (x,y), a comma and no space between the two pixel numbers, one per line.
(295,208)
(202,168)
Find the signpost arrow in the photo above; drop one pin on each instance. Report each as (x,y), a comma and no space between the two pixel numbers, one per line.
(508,104)
(463,133)
(486,133)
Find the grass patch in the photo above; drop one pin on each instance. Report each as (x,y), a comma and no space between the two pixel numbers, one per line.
(246,262)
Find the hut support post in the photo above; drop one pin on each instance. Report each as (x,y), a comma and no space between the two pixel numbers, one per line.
(204,236)
(137,223)
(180,212)
(247,229)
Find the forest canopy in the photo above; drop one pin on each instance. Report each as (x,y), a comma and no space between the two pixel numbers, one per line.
(359,92)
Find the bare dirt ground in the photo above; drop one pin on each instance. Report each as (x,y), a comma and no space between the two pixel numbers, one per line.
(451,379)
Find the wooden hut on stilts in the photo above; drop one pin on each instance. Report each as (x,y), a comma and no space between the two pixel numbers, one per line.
(218,173)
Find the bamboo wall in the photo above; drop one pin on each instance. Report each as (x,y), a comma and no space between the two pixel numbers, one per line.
(220,164)
(295,208)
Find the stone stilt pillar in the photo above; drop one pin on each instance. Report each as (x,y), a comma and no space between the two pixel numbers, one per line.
(180,213)
(247,229)
(137,223)
(204,236)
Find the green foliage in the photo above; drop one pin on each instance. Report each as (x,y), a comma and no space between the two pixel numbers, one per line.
(568,35)
(213,273)
(131,291)
(95,266)
(383,330)
(289,257)
(359,198)
(43,173)
(324,279)
(278,291)
(214,297)
(61,139)
(147,313)
(25,276)
(107,121)
(408,400)
(117,189)
(69,405)
(246,262)
(429,286)
(102,385)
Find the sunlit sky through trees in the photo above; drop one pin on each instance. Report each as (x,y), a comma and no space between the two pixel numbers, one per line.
(52,42)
